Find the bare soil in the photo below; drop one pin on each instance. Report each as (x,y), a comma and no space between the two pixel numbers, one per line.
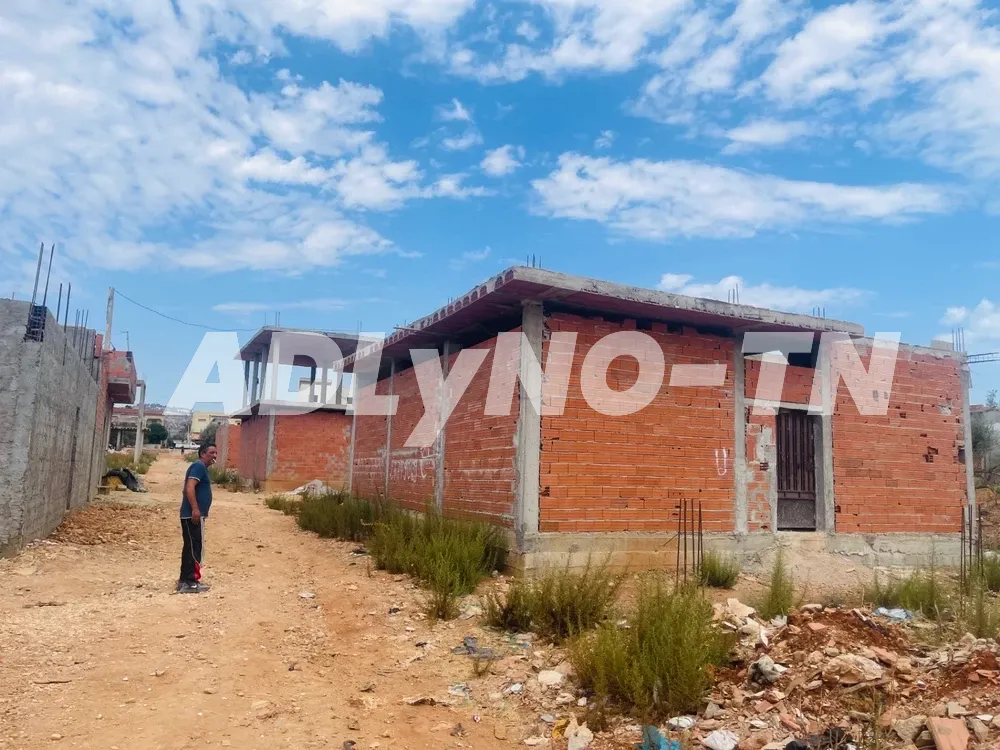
(294,646)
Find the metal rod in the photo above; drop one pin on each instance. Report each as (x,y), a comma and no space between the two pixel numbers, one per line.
(38,273)
(69,293)
(701,541)
(76,329)
(685,541)
(677,567)
(48,275)
(59,305)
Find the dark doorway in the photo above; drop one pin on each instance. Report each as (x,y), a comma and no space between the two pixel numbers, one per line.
(796,470)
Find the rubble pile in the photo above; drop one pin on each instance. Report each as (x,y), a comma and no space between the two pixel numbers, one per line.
(820,679)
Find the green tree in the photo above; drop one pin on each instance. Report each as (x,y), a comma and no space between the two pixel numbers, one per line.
(156,433)
(208,434)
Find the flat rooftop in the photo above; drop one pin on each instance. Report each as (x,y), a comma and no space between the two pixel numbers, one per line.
(260,343)
(503,296)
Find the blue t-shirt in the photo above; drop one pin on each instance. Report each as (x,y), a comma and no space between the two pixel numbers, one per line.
(202,492)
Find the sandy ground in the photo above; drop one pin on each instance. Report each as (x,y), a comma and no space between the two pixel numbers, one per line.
(294,646)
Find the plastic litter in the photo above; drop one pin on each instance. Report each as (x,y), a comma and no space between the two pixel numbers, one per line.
(681,722)
(579,736)
(721,740)
(653,739)
(470,647)
(834,738)
(899,614)
(764,671)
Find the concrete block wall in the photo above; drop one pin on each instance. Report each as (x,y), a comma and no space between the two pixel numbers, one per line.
(51,444)
(601,473)
(906,471)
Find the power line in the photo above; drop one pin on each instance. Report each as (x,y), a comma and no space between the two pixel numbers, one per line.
(178,320)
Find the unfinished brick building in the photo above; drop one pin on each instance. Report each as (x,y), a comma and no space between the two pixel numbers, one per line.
(890,487)
(280,444)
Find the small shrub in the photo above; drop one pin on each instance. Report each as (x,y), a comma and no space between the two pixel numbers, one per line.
(287,505)
(566,603)
(511,612)
(662,663)
(337,515)
(920,592)
(720,572)
(779,599)
(227,478)
(191,457)
(988,573)
(983,617)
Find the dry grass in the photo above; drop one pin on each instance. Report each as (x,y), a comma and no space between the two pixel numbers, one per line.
(779,598)
(720,571)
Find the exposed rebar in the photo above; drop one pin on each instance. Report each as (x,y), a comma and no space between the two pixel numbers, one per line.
(38,273)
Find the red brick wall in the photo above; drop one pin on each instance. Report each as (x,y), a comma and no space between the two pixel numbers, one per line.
(901,472)
(629,473)
(227,440)
(251,464)
(310,446)
(479,450)
(761,455)
(369,451)
(796,389)
(412,471)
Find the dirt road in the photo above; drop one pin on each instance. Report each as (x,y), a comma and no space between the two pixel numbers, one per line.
(293,647)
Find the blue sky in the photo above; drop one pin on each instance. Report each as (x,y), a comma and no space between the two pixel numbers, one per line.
(358,162)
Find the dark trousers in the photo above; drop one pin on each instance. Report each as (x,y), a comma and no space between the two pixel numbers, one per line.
(191,552)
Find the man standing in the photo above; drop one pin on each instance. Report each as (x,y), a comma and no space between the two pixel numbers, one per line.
(195,504)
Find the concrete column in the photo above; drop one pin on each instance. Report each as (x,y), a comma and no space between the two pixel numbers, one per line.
(529,425)
(246,383)
(970,477)
(323,385)
(741,510)
(350,450)
(338,394)
(826,514)
(388,429)
(256,379)
(265,355)
(142,421)
(439,448)
(276,367)
(118,441)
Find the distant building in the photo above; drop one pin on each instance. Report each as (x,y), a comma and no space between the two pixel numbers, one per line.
(202,419)
(124,420)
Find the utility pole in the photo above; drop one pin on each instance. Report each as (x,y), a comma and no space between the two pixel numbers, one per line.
(111,314)
(140,425)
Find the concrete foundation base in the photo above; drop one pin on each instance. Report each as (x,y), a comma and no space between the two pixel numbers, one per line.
(640,551)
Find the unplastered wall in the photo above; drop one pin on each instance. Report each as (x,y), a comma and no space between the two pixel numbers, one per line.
(310,446)
(476,467)
(479,456)
(48,412)
(252,463)
(629,473)
(904,471)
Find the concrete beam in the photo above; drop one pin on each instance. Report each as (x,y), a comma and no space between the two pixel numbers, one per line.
(139,436)
(529,425)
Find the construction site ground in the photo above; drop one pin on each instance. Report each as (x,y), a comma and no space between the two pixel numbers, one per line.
(301,643)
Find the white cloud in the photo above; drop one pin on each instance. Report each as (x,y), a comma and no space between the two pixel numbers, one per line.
(785,298)
(327,304)
(954,315)
(128,132)
(462,142)
(981,323)
(659,200)
(469,257)
(605,140)
(528,31)
(242,57)
(455,111)
(502,161)
(763,133)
